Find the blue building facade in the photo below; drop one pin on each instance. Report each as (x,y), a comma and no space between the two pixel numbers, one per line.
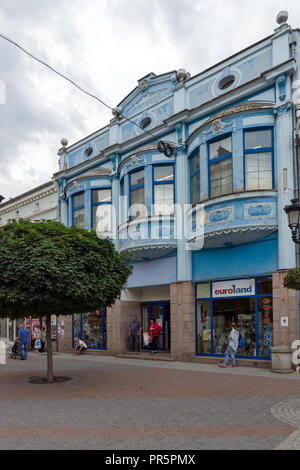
(205,225)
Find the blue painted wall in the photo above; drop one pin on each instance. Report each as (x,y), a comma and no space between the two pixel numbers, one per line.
(153,273)
(251,259)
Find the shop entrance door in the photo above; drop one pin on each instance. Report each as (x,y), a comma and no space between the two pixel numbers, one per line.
(160,311)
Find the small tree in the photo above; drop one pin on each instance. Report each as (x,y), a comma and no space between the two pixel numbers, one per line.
(47,268)
(292,279)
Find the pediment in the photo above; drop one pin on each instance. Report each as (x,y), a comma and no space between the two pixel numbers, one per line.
(151,89)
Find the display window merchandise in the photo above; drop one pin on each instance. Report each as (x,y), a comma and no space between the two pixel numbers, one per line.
(248,303)
(91,328)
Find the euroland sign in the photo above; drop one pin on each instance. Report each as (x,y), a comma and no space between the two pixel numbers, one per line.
(238,288)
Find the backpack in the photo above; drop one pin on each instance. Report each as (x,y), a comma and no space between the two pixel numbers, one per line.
(241,341)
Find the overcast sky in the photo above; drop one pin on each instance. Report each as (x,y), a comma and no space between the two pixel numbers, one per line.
(105,46)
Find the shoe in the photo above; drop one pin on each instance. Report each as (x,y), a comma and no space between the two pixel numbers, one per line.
(222,365)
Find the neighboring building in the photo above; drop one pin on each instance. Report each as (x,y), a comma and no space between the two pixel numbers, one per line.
(36,204)
(233,128)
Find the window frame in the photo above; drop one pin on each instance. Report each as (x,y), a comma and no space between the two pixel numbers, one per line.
(161,183)
(255,151)
(77,208)
(194,173)
(134,188)
(219,159)
(96,204)
(103,311)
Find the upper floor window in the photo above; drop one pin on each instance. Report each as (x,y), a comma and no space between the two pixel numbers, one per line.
(220,167)
(163,189)
(195,178)
(78,210)
(136,195)
(101,206)
(258,152)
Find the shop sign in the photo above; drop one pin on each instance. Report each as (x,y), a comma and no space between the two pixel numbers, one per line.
(238,288)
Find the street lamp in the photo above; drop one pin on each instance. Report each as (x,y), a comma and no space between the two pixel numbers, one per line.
(293,212)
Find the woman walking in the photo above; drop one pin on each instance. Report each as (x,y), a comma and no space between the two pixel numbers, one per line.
(154,333)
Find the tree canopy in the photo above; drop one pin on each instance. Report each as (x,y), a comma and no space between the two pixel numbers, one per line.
(47,268)
(292,279)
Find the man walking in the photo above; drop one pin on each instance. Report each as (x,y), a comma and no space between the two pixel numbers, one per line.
(134,333)
(232,347)
(23,338)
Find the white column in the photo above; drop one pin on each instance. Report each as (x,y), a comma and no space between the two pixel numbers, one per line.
(184,258)
(285,187)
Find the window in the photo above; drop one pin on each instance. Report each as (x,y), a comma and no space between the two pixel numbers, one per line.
(136,201)
(163,190)
(78,210)
(220,167)
(258,151)
(101,205)
(91,328)
(195,178)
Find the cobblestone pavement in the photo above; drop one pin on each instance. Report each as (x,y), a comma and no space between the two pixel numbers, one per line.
(113,403)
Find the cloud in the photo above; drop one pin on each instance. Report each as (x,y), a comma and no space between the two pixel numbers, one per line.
(105,46)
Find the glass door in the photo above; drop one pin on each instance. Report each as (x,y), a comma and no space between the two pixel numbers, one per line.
(160,311)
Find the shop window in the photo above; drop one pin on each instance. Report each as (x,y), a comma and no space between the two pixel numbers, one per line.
(240,311)
(258,154)
(203,327)
(78,210)
(136,195)
(220,167)
(101,210)
(91,328)
(163,190)
(195,178)
(253,315)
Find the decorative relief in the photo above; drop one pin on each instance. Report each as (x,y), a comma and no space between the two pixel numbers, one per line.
(281,82)
(134,162)
(282,110)
(219,216)
(260,210)
(217,126)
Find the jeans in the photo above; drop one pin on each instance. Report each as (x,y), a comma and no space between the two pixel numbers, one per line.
(135,343)
(230,351)
(23,351)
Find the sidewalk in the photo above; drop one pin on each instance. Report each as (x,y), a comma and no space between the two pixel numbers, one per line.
(113,403)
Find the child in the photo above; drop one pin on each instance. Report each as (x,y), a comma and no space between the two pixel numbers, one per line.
(38,344)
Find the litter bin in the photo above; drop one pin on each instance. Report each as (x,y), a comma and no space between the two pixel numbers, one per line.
(281,360)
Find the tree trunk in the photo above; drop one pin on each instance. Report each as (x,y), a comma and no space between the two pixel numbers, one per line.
(49,349)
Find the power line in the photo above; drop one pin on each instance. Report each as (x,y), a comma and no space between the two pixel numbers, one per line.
(73,83)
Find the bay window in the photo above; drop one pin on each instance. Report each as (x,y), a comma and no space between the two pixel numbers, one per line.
(220,167)
(195,178)
(101,210)
(78,210)
(163,189)
(258,155)
(136,195)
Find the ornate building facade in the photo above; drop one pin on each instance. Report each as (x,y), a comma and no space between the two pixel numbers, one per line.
(204,222)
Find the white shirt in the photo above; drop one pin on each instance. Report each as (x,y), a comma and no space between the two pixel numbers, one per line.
(234,339)
(82,343)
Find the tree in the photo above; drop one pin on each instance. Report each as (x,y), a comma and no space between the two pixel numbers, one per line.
(47,268)
(292,279)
